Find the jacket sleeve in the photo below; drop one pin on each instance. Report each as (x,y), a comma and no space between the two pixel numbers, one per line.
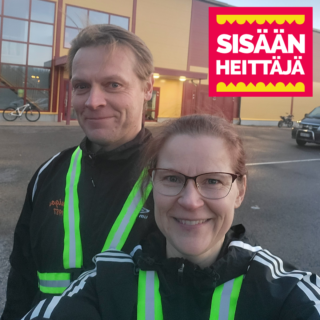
(79,301)
(22,281)
(303,303)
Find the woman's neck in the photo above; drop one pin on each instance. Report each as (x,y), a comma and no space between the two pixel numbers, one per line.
(203,260)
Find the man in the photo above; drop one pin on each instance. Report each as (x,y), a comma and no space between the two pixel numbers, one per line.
(87,199)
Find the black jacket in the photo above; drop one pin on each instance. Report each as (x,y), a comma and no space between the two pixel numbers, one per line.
(105,182)
(271,289)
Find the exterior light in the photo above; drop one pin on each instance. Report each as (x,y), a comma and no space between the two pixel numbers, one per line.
(33,77)
(182,78)
(37,77)
(156,75)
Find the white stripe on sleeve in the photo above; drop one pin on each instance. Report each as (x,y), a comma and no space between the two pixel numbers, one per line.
(36,311)
(310,295)
(51,306)
(243,245)
(40,171)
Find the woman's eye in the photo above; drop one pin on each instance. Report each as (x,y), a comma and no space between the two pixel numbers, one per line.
(213,181)
(171,179)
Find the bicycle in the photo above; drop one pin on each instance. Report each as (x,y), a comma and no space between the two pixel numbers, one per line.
(11,114)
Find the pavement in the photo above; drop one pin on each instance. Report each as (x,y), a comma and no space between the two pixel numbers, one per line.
(281,207)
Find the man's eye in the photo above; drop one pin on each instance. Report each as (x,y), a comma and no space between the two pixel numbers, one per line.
(80,86)
(114,85)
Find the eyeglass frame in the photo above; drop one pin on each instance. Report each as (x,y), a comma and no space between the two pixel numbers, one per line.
(194,178)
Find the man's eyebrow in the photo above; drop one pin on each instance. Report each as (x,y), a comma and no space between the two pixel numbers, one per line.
(114,77)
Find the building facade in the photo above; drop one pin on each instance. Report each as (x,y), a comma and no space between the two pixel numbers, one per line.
(35,37)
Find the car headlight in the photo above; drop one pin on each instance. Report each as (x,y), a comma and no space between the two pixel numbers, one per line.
(298,125)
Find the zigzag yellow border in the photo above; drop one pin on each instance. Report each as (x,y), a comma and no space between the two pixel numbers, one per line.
(260,19)
(260,87)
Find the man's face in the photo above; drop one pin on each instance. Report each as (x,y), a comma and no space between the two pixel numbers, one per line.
(108,96)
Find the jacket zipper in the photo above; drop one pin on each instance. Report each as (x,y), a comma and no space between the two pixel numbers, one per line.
(180,274)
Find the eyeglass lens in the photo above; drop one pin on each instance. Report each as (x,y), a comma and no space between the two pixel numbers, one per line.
(210,185)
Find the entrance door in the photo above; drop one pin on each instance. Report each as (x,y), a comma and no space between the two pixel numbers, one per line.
(73,115)
(152,110)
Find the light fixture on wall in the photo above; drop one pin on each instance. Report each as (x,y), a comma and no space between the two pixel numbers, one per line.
(156,75)
(182,78)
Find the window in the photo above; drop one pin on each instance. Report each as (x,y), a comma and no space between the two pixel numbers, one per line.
(41,33)
(13,75)
(14,29)
(16,8)
(38,78)
(39,56)
(69,35)
(98,17)
(42,11)
(120,21)
(78,18)
(13,52)
(26,59)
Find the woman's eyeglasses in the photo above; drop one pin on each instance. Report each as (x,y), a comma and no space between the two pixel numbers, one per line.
(211,185)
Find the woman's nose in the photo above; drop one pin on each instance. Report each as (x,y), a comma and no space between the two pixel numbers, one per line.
(190,197)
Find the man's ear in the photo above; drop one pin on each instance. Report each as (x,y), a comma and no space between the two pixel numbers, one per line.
(148,88)
(242,187)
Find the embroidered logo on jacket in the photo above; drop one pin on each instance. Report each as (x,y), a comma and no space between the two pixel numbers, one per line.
(58,207)
(144,213)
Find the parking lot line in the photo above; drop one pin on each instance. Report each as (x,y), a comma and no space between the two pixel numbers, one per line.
(280,162)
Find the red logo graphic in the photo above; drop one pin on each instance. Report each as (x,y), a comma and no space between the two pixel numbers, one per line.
(264,52)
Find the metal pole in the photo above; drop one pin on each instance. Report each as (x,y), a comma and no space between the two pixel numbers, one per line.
(69,103)
(291,106)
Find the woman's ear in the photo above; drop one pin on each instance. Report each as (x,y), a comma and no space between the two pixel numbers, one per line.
(242,187)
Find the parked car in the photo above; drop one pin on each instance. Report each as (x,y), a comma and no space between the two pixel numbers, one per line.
(308,129)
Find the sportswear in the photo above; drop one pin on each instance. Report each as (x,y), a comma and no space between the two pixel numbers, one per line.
(271,289)
(106,180)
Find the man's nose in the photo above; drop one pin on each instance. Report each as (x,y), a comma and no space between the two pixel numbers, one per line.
(96,98)
(190,197)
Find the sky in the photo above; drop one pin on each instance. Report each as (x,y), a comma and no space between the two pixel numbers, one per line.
(281,3)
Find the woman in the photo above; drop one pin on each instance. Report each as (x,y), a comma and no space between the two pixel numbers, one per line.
(198,266)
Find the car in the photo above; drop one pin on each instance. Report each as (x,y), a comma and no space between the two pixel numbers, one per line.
(308,129)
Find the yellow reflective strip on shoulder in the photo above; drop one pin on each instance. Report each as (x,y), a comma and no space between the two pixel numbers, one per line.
(51,290)
(54,276)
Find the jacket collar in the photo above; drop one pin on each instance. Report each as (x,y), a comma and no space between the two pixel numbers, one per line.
(122,152)
(232,261)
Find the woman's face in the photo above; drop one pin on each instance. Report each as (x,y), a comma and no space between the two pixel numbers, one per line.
(195,226)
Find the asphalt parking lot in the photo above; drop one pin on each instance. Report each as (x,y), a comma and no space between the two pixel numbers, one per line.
(281,208)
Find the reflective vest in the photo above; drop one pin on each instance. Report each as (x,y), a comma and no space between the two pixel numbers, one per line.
(223,304)
(56,283)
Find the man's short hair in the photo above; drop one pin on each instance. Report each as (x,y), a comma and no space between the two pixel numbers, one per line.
(113,36)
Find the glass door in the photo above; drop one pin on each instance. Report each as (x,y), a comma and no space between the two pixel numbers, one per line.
(151,113)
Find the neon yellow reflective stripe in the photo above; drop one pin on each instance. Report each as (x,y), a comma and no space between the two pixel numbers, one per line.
(234,297)
(78,253)
(141,308)
(54,276)
(125,220)
(224,300)
(53,283)
(52,290)
(215,303)
(149,300)
(72,252)
(223,304)
(158,314)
